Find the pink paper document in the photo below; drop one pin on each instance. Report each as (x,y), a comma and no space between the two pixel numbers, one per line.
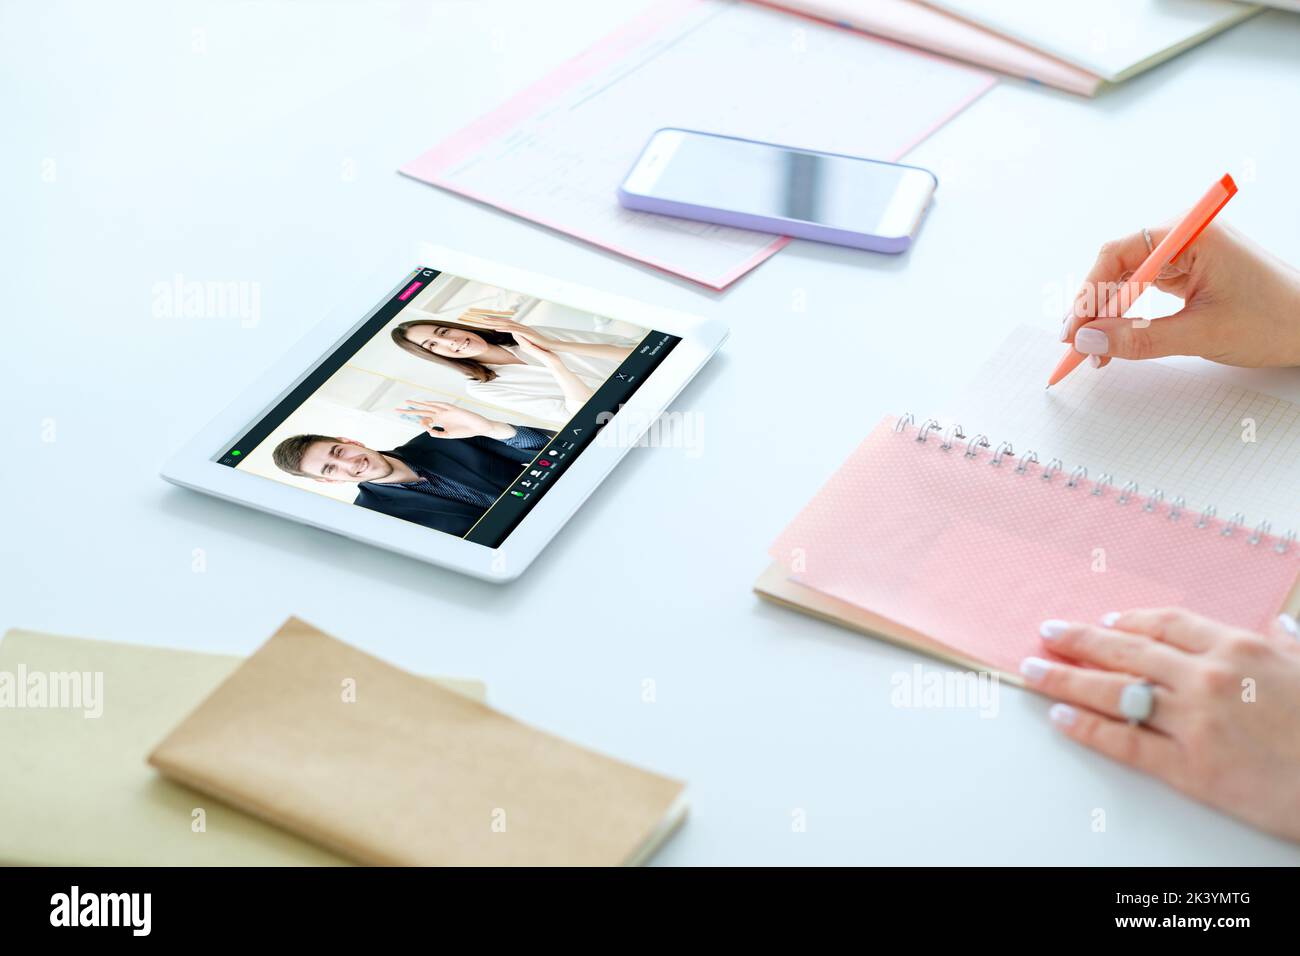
(976,555)
(914,23)
(556,153)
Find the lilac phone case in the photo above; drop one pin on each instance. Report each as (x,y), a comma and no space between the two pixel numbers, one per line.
(800,229)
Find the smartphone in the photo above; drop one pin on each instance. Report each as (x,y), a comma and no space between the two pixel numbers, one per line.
(844,200)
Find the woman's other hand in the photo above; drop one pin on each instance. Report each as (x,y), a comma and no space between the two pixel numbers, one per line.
(1225,727)
(1241,305)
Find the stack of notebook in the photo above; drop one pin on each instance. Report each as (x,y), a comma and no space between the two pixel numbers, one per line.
(1074,46)
(310,752)
(1119,488)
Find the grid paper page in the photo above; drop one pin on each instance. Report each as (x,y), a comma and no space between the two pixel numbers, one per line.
(1162,427)
(556,153)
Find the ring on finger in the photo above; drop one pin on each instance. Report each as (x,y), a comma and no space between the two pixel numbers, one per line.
(1137,702)
(1170,270)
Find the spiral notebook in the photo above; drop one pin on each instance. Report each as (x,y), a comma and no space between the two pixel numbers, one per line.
(960,542)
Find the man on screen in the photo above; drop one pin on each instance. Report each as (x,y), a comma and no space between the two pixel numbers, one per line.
(444,478)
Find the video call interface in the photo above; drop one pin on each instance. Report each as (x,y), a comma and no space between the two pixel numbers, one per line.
(456,406)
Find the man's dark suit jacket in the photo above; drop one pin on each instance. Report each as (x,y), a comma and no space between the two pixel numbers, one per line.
(483,464)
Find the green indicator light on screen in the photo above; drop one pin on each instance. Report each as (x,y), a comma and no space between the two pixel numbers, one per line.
(236,453)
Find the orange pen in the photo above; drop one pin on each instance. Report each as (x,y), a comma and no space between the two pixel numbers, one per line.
(1170,248)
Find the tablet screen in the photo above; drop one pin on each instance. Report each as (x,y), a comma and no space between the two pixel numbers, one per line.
(456,405)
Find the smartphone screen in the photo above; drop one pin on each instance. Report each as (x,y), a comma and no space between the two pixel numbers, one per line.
(777,182)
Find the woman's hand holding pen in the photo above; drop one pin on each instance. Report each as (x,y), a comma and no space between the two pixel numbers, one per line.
(1241,304)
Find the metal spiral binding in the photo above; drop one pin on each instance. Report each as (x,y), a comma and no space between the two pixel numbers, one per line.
(923,432)
(1154,501)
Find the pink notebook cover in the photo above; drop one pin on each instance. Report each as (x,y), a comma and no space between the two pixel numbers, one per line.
(977,555)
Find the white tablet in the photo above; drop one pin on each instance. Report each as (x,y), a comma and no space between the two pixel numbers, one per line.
(458,412)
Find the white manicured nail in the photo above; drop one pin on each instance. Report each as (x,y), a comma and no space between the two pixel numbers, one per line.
(1109,618)
(1065,326)
(1091,342)
(1034,668)
(1063,715)
(1288,624)
(1094,361)
(1051,629)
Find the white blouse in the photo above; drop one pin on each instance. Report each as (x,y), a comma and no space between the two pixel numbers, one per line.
(531,389)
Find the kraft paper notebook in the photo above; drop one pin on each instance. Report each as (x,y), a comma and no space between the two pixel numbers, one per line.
(77,790)
(1141,485)
(405,773)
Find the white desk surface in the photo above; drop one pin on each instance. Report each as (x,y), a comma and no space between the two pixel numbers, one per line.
(259,142)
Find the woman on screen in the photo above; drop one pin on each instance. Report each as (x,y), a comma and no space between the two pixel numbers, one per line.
(545,373)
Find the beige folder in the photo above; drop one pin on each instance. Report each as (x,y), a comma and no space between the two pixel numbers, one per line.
(377,766)
(77,790)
